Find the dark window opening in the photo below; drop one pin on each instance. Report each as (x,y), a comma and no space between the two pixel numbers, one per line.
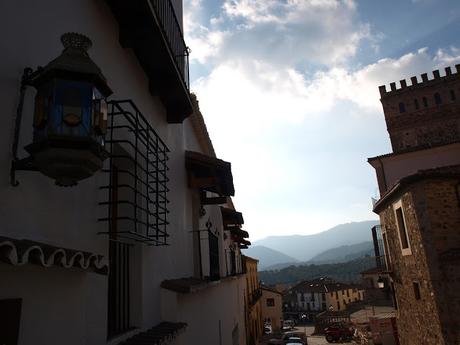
(118,318)
(270,302)
(214,267)
(452,95)
(417,106)
(416,290)
(348,293)
(425,102)
(312,297)
(402,228)
(437,98)
(10,319)
(402,108)
(232,262)
(338,305)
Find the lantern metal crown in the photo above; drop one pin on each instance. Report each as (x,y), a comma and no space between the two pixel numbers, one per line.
(70,116)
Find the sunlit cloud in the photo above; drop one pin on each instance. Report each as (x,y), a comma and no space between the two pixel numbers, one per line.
(285,102)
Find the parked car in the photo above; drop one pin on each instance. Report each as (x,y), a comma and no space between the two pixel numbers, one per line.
(288,325)
(295,341)
(338,332)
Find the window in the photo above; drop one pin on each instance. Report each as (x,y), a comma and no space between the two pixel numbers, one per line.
(336,295)
(270,302)
(425,102)
(452,95)
(323,306)
(402,229)
(348,293)
(402,108)
(437,98)
(338,305)
(312,297)
(140,158)
(214,266)
(417,106)
(416,286)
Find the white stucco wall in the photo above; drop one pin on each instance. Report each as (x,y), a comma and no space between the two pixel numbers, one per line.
(395,167)
(69,305)
(211,313)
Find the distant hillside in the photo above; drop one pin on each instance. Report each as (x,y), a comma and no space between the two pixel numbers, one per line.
(344,253)
(305,247)
(268,257)
(344,272)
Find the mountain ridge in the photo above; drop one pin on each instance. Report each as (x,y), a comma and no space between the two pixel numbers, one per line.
(303,248)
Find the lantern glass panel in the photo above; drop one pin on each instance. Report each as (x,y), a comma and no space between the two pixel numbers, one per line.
(99,113)
(72,108)
(43,104)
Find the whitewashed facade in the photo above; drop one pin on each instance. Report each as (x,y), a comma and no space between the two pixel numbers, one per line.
(54,260)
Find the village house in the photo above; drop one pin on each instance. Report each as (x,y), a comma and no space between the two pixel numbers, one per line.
(272,308)
(117,225)
(305,300)
(254,324)
(419,206)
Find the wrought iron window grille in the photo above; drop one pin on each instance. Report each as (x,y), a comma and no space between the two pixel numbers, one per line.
(137,203)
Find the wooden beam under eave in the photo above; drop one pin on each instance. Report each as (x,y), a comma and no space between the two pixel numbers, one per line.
(202,182)
(219,200)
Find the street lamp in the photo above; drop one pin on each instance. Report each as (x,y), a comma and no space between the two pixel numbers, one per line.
(70,117)
(380,283)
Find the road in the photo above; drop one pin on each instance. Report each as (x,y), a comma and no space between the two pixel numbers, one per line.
(312,340)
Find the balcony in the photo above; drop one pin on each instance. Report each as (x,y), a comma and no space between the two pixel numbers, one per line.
(151,29)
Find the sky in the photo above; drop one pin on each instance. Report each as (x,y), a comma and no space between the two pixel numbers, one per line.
(289,93)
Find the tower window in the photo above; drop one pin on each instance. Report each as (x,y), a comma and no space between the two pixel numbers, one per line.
(417,106)
(402,108)
(425,102)
(437,98)
(416,286)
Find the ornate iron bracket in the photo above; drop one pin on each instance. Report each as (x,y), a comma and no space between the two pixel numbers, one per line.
(24,163)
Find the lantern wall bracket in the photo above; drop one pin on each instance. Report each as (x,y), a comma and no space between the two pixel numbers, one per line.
(24,163)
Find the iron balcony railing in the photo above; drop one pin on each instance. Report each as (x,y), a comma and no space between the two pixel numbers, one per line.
(166,17)
(383,263)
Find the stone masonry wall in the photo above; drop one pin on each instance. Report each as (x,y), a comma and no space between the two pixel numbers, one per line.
(425,113)
(440,217)
(417,320)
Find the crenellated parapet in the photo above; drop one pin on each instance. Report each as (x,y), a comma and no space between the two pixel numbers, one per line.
(415,84)
(424,113)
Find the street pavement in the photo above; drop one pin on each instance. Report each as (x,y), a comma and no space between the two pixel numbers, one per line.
(308,330)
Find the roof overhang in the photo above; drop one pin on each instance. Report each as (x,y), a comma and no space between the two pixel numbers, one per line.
(209,173)
(231,218)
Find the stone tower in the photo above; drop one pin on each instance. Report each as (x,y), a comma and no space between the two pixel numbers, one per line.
(424,114)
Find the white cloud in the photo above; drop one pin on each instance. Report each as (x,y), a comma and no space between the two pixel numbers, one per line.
(251,109)
(280,32)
